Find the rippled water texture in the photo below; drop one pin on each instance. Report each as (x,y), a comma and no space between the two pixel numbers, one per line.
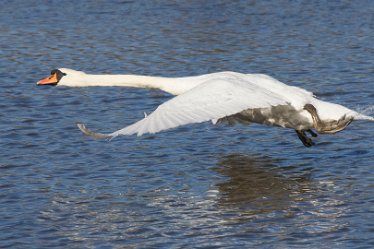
(199,186)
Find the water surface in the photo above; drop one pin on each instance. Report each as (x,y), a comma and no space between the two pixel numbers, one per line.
(199,186)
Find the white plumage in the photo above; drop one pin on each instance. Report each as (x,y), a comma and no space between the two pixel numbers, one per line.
(224,96)
(201,104)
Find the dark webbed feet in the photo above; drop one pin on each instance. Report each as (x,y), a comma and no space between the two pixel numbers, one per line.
(308,142)
(328,127)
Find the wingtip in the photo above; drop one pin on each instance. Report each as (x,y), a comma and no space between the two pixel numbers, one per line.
(92,134)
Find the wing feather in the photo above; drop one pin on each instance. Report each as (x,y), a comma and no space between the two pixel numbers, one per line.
(211,100)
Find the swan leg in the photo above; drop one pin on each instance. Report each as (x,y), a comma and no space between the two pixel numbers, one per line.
(327,127)
(304,138)
(312,133)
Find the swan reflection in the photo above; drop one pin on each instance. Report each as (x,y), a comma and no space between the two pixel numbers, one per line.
(257,187)
(256,184)
(251,193)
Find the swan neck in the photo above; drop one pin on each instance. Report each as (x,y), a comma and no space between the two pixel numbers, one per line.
(173,86)
(126,80)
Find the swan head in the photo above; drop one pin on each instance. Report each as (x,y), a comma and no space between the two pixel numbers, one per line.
(61,76)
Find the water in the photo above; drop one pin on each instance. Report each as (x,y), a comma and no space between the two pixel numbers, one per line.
(199,186)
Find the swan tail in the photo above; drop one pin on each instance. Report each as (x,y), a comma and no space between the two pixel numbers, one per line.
(92,134)
(360,116)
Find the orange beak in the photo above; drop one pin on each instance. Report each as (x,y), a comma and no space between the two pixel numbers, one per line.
(51,80)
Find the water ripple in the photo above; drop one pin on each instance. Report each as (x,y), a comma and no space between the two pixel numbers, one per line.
(201,185)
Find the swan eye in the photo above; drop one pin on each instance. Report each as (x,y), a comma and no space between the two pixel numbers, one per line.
(58,72)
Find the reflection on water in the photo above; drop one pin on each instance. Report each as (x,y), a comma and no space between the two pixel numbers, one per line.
(256,184)
(257,187)
(252,196)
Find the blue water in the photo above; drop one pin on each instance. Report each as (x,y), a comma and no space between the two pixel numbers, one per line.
(198,186)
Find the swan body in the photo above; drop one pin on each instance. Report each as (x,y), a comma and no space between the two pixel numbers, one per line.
(223,97)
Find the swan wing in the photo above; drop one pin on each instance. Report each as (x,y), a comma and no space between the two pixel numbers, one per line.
(209,101)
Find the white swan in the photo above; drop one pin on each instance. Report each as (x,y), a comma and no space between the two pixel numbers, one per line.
(221,97)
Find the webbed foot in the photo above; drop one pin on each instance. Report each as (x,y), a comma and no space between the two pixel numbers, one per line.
(328,127)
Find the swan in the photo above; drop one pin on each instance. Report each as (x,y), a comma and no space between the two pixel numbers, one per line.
(223,97)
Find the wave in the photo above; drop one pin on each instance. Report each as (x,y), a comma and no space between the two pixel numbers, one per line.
(368,110)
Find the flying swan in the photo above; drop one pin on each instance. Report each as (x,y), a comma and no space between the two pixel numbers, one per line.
(223,97)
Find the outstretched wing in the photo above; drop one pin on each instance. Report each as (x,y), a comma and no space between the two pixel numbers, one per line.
(211,100)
